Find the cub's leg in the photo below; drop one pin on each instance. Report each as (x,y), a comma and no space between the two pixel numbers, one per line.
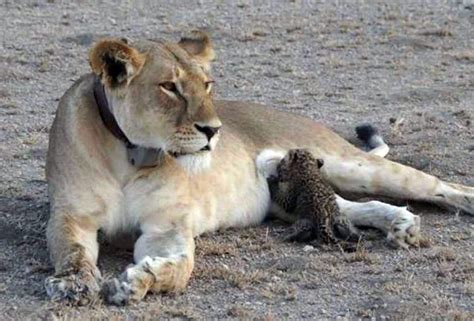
(72,242)
(401,227)
(303,231)
(164,262)
(368,174)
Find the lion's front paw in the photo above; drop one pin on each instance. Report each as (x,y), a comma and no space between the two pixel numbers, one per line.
(404,230)
(117,291)
(128,288)
(79,288)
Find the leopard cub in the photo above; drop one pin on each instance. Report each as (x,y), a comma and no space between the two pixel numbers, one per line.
(301,192)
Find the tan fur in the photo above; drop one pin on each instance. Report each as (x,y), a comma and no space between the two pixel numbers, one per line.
(93,186)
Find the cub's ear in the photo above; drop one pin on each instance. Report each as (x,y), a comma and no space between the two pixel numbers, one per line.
(320,162)
(115,62)
(199,45)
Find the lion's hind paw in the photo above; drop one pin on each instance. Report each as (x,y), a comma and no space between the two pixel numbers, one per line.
(404,230)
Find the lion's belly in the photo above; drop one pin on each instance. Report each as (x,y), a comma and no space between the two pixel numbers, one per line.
(240,201)
(229,194)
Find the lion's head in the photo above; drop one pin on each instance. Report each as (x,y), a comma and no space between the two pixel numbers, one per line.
(161,93)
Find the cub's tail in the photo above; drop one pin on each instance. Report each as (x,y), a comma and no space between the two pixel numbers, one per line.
(372,139)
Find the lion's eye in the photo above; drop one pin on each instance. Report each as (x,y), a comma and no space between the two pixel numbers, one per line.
(169,86)
(208,85)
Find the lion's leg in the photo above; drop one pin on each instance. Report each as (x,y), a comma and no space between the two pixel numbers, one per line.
(400,225)
(164,262)
(72,242)
(368,174)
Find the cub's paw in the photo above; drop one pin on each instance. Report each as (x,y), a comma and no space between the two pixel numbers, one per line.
(345,231)
(404,230)
(130,287)
(79,288)
(300,237)
(303,231)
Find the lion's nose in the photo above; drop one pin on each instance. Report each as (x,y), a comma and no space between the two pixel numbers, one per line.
(207,130)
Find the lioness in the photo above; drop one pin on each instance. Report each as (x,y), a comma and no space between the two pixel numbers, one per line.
(139,145)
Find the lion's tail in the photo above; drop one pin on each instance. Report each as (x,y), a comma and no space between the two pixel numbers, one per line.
(372,139)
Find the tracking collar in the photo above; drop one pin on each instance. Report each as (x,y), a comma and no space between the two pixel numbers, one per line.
(138,156)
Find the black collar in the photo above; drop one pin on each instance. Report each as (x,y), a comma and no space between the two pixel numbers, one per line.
(106,115)
(137,155)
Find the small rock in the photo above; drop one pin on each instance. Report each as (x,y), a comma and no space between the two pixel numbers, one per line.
(308,248)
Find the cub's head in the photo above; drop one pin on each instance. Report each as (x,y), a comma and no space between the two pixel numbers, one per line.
(161,93)
(297,161)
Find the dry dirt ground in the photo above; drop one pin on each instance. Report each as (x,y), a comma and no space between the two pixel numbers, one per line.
(406,66)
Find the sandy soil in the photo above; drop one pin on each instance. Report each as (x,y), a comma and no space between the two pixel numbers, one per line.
(406,66)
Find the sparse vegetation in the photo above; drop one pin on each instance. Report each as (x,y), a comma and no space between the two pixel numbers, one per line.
(239,279)
(344,62)
(441,32)
(442,254)
(360,255)
(464,55)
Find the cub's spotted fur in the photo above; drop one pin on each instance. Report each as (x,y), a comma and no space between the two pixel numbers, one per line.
(300,190)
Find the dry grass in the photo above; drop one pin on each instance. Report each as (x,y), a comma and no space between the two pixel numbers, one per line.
(468,287)
(394,287)
(458,315)
(207,247)
(425,242)
(442,254)
(238,279)
(468,268)
(240,312)
(465,55)
(442,32)
(273,54)
(360,255)
(180,312)
(349,25)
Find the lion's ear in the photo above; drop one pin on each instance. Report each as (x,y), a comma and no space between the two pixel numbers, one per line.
(199,45)
(115,62)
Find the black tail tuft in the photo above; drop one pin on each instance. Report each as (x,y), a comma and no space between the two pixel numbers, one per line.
(365,132)
(372,139)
